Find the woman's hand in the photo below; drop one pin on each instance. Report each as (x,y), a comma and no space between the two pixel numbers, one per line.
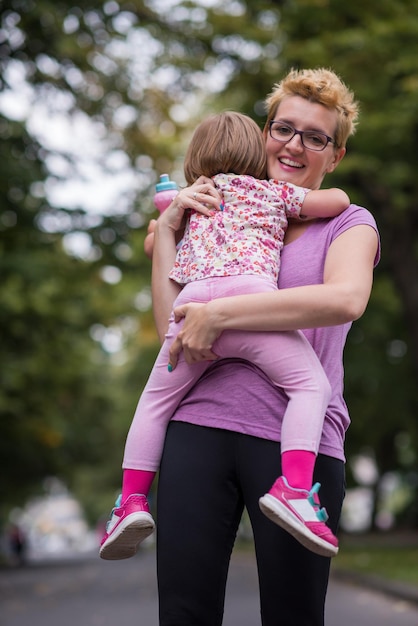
(197,336)
(149,239)
(201,197)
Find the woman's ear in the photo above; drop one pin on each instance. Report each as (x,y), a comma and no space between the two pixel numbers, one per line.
(338,156)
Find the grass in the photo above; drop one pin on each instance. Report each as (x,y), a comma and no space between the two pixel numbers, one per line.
(393,557)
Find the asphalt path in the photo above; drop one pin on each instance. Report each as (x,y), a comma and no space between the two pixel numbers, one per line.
(92,592)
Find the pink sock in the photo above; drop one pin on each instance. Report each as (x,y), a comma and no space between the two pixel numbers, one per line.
(298,467)
(136,481)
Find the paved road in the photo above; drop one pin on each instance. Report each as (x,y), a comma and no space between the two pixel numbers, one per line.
(98,593)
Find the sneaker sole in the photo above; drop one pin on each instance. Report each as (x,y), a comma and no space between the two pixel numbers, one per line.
(280,515)
(124,542)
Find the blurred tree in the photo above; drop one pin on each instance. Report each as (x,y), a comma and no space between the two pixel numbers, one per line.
(107,61)
(64,314)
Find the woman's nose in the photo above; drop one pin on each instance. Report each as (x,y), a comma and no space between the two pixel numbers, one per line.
(296,143)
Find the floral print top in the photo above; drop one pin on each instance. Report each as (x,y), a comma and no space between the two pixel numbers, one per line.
(246,237)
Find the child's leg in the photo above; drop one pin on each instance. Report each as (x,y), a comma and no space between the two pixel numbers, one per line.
(292,502)
(298,467)
(131,521)
(289,361)
(159,400)
(136,481)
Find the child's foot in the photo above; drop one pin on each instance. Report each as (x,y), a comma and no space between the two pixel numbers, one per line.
(299,512)
(129,524)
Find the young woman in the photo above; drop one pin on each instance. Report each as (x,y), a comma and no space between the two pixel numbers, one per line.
(236,251)
(222,446)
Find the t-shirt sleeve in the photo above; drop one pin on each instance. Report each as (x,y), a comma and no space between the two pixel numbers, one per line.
(356,216)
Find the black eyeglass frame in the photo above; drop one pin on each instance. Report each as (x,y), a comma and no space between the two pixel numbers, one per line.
(301,133)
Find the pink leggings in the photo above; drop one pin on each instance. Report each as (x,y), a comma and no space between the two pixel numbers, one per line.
(287,358)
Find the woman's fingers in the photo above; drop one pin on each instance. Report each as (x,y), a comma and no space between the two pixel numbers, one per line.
(191,355)
(175,350)
(202,180)
(149,239)
(203,198)
(192,340)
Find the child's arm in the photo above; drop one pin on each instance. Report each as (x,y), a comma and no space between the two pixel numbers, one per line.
(325,203)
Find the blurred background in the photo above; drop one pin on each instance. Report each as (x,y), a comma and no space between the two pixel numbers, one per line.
(98,100)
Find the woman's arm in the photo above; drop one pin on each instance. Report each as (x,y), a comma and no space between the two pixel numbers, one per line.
(164,290)
(161,245)
(149,239)
(342,298)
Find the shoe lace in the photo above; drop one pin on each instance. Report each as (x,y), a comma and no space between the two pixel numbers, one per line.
(313,499)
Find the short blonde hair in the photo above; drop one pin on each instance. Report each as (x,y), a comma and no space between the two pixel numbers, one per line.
(324,87)
(228,142)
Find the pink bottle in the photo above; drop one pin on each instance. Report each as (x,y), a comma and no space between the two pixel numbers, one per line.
(166,190)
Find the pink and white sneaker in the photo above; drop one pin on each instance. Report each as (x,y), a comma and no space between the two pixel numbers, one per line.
(298,511)
(129,524)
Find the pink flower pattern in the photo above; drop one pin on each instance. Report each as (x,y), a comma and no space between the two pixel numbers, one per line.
(246,237)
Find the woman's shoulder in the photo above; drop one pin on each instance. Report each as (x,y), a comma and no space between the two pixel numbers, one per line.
(322,232)
(331,227)
(357,213)
(354,215)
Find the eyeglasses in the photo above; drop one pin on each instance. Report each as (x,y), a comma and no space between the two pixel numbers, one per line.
(311,139)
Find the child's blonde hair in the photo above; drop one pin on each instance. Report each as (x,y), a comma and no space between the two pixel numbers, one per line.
(324,87)
(228,142)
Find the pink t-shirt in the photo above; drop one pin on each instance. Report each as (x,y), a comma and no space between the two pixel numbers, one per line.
(235,395)
(246,237)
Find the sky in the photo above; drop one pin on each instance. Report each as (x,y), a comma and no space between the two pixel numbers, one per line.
(85,171)
(72,139)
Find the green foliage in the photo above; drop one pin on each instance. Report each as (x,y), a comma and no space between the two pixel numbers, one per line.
(144,74)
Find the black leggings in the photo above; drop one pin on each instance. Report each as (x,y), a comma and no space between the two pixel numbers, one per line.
(207,476)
